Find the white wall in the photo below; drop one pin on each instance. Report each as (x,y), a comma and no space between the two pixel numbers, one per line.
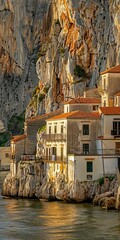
(77,168)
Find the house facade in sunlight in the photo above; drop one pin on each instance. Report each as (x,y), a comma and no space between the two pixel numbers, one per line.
(81,140)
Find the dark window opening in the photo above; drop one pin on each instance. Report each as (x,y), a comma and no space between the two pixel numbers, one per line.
(55,129)
(85,129)
(49,129)
(85,148)
(116,129)
(89,166)
(95,107)
(61,128)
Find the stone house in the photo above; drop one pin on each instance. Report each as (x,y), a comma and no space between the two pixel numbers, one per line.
(23,147)
(5,156)
(69,134)
(117,100)
(83,104)
(109,85)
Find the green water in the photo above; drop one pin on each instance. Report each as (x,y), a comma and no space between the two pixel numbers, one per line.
(33,220)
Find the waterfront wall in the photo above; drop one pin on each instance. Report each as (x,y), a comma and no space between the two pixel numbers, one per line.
(31,182)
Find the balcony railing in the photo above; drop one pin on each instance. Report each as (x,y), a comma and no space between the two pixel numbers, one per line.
(54,137)
(104,152)
(27,157)
(54,158)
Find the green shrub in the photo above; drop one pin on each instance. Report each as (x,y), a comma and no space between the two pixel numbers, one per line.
(41,97)
(16,124)
(101,181)
(42,128)
(62,50)
(36,91)
(79,72)
(4,138)
(46,89)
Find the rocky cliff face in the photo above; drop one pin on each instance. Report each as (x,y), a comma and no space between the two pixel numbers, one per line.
(81,39)
(20,24)
(31,182)
(73,39)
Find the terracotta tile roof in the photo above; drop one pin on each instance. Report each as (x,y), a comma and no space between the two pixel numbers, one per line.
(115,69)
(85,115)
(84,100)
(61,116)
(117,94)
(44,116)
(110,110)
(76,115)
(18,138)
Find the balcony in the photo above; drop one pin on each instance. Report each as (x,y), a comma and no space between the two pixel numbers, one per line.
(115,133)
(27,157)
(54,158)
(97,152)
(54,137)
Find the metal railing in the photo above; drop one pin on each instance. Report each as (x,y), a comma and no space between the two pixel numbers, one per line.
(54,158)
(104,152)
(54,137)
(27,157)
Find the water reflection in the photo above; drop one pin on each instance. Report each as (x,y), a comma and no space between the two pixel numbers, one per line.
(31,219)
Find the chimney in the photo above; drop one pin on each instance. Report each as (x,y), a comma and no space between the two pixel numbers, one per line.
(84,94)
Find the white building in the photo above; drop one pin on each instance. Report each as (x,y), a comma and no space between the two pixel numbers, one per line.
(109,85)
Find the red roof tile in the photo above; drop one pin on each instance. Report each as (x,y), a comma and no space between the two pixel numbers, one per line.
(115,69)
(117,94)
(110,110)
(61,116)
(44,116)
(18,138)
(84,100)
(76,115)
(85,115)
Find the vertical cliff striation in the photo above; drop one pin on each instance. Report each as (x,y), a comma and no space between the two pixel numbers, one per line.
(79,39)
(71,41)
(20,24)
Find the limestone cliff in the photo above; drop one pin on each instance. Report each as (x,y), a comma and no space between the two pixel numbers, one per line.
(31,182)
(73,39)
(79,39)
(20,24)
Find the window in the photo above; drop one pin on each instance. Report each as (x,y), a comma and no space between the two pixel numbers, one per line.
(116,101)
(116,128)
(104,103)
(89,166)
(85,148)
(62,149)
(95,107)
(85,129)
(104,84)
(7,155)
(61,128)
(49,129)
(55,129)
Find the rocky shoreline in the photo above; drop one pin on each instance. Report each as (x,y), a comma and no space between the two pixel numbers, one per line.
(30,182)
